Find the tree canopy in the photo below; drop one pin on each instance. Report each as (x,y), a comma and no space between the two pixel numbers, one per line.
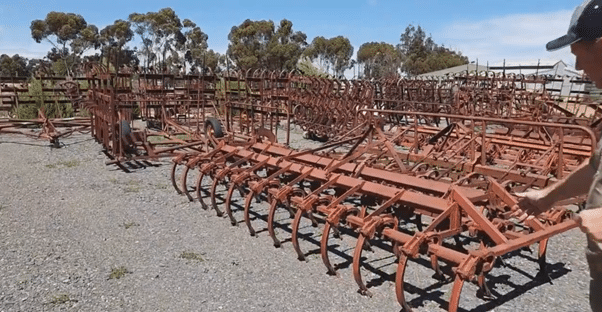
(13,66)
(169,44)
(161,32)
(379,59)
(61,29)
(257,44)
(334,53)
(422,55)
(195,46)
(113,38)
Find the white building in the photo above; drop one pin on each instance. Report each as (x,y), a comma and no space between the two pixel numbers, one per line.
(564,80)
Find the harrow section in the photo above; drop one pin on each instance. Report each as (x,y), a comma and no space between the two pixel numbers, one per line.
(327,191)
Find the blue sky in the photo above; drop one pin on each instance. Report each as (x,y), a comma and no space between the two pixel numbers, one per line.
(489,31)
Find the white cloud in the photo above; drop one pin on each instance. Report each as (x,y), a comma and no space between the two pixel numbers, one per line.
(372,2)
(519,38)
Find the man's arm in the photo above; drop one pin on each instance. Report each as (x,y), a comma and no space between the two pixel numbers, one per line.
(575,184)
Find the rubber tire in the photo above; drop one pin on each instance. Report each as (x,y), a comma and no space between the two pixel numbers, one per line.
(125,128)
(212,122)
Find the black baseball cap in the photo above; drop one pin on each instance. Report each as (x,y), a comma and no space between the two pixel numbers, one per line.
(586,24)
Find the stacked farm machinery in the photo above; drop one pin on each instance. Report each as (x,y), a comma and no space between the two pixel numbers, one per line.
(423,167)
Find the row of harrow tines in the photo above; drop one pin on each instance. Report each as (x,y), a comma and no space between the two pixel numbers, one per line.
(175,119)
(519,154)
(461,229)
(256,101)
(488,94)
(328,107)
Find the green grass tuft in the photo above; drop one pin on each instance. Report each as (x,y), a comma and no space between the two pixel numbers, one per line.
(61,299)
(118,272)
(64,164)
(70,163)
(128,225)
(191,256)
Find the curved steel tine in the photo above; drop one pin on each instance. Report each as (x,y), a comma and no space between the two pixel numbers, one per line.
(183,183)
(233,185)
(454,300)
(248,201)
(203,171)
(295,236)
(357,256)
(399,276)
(324,250)
(216,180)
(271,213)
(173,176)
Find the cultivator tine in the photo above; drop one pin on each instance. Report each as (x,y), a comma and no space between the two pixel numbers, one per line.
(192,163)
(208,167)
(177,161)
(333,220)
(280,195)
(256,188)
(402,264)
(305,206)
(236,181)
(371,226)
(220,178)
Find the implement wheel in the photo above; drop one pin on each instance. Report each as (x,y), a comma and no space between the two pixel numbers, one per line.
(213,128)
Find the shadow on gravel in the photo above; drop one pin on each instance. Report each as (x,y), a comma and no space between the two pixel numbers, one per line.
(75,143)
(135,165)
(494,282)
(41,144)
(376,269)
(47,144)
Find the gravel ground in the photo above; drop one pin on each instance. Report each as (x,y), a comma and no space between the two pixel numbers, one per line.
(78,235)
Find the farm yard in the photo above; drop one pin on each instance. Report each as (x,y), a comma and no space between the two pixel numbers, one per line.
(284,175)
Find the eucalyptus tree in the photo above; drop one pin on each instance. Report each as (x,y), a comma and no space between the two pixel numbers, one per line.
(64,30)
(379,59)
(214,61)
(142,27)
(15,66)
(161,32)
(258,44)
(248,43)
(113,39)
(195,46)
(285,47)
(334,53)
(422,55)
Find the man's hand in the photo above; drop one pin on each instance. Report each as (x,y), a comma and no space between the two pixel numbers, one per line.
(590,222)
(533,202)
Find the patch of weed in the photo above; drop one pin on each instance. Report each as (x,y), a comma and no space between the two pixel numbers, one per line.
(128,225)
(132,187)
(191,256)
(118,272)
(61,299)
(162,186)
(64,164)
(156,139)
(184,137)
(70,163)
